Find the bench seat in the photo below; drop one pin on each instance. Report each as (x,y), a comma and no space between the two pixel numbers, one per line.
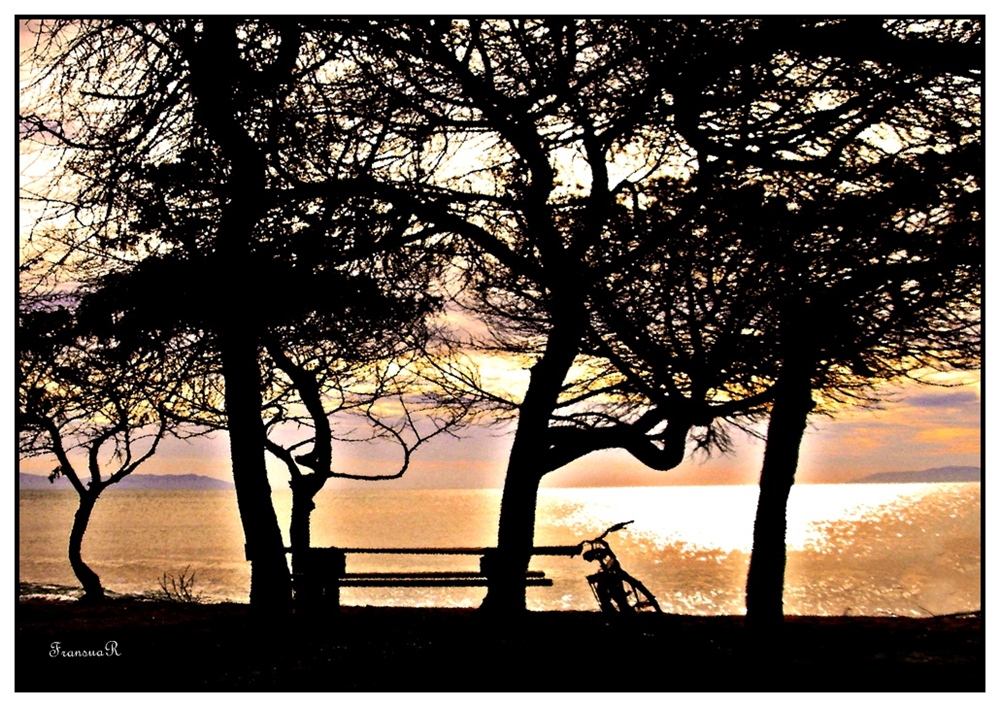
(430,579)
(318,574)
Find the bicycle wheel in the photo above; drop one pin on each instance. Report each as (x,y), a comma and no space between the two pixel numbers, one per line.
(639,598)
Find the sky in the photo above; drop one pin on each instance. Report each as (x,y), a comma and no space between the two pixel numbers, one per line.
(919,427)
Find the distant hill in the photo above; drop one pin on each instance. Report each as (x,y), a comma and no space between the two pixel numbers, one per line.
(942,474)
(37,481)
(135,482)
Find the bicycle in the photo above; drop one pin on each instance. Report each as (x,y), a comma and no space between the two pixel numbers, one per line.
(616,590)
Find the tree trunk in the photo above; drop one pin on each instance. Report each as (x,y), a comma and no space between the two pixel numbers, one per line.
(516,532)
(216,74)
(92,589)
(766,577)
(270,581)
(302,508)
(304,490)
(529,461)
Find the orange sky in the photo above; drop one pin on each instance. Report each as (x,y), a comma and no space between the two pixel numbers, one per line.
(923,427)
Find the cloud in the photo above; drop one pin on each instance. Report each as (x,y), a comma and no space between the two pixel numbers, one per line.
(949,399)
(958,440)
(916,428)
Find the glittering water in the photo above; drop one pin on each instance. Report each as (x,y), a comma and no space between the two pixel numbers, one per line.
(902,549)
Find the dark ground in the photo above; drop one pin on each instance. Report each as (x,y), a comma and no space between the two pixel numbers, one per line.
(168,647)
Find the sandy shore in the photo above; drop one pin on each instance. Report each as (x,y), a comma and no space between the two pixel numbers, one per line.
(130,645)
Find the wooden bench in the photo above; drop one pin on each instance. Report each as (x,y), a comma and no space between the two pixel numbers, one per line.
(318,574)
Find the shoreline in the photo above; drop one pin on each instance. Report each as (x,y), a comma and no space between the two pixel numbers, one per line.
(168,647)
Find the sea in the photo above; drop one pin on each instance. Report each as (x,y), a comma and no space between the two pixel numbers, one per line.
(899,549)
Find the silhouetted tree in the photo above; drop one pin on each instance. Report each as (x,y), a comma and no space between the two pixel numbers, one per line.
(830,239)
(194,183)
(875,236)
(758,308)
(388,401)
(333,345)
(100,412)
(531,137)
(904,302)
(525,133)
(265,122)
(527,151)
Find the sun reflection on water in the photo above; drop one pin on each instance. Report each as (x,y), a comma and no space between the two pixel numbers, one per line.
(902,549)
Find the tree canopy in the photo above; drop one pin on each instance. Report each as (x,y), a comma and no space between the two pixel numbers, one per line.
(666,220)
(95,407)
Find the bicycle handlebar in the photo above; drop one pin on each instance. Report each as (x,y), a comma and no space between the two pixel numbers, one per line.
(613,529)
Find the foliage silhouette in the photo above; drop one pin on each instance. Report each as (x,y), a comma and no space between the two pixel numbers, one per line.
(830,240)
(676,226)
(186,168)
(179,589)
(86,402)
(586,128)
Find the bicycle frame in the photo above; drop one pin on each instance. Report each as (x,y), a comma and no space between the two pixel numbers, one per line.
(616,591)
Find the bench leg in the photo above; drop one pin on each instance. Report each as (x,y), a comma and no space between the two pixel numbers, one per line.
(317,579)
(331,594)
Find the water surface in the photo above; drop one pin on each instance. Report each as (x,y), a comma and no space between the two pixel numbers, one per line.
(872,549)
